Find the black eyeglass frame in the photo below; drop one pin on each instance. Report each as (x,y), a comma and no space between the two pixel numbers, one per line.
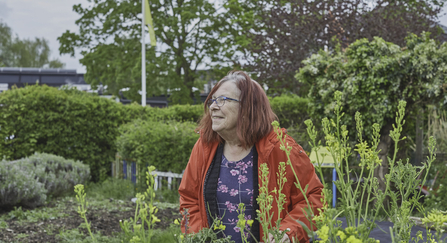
(211,101)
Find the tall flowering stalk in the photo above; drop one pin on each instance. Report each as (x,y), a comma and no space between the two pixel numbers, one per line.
(361,200)
(82,208)
(265,201)
(144,212)
(284,146)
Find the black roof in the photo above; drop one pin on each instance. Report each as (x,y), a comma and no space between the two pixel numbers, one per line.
(49,76)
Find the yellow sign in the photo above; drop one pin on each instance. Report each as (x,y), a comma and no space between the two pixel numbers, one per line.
(324,156)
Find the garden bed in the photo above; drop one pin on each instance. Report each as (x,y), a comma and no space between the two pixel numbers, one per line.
(60,218)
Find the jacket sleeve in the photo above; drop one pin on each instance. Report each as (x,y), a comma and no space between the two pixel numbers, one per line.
(306,174)
(188,190)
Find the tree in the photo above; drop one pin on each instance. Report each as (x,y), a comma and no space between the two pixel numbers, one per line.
(277,36)
(109,40)
(15,52)
(373,77)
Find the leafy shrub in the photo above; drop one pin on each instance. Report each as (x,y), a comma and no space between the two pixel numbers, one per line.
(181,113)
(438,196)
(59,175)
(69,123)
(72,124)
(292,111)
(167,196)
(28,182)
(166,146)
(111,188)
(36,215)
(20,186)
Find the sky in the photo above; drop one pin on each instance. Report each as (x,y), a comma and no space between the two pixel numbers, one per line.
(50,18)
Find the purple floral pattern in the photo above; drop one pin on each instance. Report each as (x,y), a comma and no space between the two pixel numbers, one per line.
(235,186)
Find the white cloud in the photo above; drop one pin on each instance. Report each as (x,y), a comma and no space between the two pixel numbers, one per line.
(44,18)
(4,10)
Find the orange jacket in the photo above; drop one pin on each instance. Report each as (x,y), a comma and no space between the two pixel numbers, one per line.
(191,187)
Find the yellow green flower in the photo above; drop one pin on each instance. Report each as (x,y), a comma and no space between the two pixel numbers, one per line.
(250,222)
(323,233)
(352,239)
(342,235)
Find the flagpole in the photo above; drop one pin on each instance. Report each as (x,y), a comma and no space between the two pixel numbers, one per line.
(143,57)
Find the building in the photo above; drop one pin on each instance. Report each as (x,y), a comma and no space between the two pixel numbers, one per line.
(19,77)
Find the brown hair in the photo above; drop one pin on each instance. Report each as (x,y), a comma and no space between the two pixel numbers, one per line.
(255,114)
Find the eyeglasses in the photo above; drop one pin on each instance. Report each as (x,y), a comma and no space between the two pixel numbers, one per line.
(220,101)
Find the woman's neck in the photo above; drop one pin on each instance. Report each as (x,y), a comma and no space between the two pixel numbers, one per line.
(235,152)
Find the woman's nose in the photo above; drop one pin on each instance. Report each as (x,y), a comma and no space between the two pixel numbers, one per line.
(214,106)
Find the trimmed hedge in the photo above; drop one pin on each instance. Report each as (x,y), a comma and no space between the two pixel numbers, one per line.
(292,111)
(83,126)
(167,146)
(69,123)
(72,124)
(28,181)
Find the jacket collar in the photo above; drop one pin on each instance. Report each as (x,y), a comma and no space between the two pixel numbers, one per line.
(263,146)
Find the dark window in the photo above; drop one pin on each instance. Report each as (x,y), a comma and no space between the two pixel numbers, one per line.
(5,78)
(30,79)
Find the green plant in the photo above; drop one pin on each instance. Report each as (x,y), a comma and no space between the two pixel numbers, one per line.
(111,188)
(30,181)
(35,215)
(167,195)
(373,76)
(204,235)
(243,224)
(168,235)
(20,185)
(437,219)
(21,236)
(82,208)
(3,224)
(69,123)
(309,213)
(166,146)
(362,202)
(144,213)
(59,175)
(76,236)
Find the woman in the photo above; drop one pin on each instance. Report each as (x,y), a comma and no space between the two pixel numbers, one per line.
(236,137)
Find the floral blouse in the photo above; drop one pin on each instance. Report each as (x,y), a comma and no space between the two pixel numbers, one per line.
(235,186)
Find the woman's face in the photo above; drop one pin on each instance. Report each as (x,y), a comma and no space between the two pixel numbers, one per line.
(224,118)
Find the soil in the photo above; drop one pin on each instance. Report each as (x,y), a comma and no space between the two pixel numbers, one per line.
(102,220)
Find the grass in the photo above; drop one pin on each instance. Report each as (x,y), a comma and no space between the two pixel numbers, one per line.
(76,236)
(111,188)
(32,216)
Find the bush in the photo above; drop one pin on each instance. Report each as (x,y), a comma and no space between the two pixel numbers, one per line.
(69,123)
(292,111)
(20,186)
(59,175)
(27,182)
(72,124)
(111,188)
(166,146)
